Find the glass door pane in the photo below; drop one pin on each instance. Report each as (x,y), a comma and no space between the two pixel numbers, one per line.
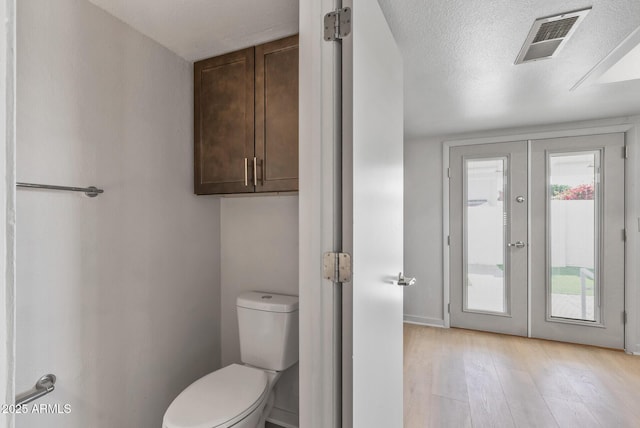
(485,285)
(573,219)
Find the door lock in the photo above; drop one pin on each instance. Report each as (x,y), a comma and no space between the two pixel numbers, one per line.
(517,244)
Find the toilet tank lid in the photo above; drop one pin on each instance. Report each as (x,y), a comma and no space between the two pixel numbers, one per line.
(269,302)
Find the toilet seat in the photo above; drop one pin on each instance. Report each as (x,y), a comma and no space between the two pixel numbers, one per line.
(219,399)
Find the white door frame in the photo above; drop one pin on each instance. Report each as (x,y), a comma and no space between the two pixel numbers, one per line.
(630,126)
(8,202)
(319,209)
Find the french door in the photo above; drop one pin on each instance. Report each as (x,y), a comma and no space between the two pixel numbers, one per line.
(488,235)
(536,238)
(577,240)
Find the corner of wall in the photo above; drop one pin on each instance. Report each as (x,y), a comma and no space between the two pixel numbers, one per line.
(425,321)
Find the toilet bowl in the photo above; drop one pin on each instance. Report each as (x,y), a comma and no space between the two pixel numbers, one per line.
(234,396)
(241,395)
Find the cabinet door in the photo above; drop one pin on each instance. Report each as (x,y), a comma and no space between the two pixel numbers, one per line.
(277,115)
(224,123)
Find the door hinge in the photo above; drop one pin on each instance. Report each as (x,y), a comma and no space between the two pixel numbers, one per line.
(448,308)
(449,240)
(624,317)
(336,267)
(337,24)
(625,152)
(624,235)
(448,172)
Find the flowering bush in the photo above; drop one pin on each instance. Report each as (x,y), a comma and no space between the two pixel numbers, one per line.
(580,192)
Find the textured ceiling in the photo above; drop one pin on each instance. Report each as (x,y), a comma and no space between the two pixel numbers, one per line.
(458,54)
(196,29)
(459,71)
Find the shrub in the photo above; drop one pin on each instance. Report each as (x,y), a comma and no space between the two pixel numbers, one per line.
(556,189)
(583,192)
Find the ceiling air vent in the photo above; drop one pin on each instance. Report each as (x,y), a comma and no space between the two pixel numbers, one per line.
(548,35)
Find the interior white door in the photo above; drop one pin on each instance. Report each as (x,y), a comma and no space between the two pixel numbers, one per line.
(488,237)
(373,221)
(577,269)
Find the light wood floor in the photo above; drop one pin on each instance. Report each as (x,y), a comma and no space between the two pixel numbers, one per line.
(460,378)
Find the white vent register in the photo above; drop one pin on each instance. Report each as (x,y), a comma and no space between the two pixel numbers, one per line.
(549,35)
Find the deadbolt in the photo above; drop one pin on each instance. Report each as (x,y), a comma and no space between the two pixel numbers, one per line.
(520,199)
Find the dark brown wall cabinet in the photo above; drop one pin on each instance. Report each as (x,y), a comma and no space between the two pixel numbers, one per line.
(246,120)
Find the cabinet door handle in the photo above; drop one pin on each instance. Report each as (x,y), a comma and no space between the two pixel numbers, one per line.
(255,171)
(246,171)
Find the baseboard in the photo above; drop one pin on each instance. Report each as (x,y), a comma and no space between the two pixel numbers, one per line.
(283,418)
(431,322)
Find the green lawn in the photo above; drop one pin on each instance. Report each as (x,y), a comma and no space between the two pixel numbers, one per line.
(566,280)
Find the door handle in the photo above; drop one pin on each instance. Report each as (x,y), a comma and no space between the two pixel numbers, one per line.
(246,172)
(517,244)
(405,282)
(255,171)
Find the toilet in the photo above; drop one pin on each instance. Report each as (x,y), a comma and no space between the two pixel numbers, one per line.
(241,395)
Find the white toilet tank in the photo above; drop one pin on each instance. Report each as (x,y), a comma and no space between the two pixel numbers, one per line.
(268,325)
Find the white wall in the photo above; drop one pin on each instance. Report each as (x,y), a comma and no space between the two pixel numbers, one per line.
(7,207)
(423,230)
(259,251)
(117,295)
(424,224)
